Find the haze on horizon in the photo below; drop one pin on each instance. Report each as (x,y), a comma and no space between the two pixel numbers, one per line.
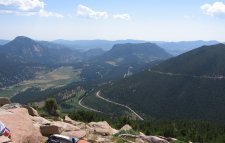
(151,20)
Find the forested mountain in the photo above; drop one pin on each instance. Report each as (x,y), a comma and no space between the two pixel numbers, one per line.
(190,86)
(123,60)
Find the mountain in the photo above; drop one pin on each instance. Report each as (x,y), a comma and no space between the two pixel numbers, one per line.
(123,60)
(190,86)
(177,48)
(94,44)
(25,50)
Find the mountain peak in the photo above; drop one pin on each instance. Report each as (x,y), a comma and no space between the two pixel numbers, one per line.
(22,38)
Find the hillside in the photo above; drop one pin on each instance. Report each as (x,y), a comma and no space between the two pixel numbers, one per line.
(190,86)
(123,60)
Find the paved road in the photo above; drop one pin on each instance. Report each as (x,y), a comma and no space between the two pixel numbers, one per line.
(125,106)
(88,108)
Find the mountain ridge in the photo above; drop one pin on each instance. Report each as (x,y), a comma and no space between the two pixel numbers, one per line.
(168,96)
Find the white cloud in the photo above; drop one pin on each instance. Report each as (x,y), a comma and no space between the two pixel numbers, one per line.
(19,13)
(216,8)
(43,13)
(122,16)
(27,8)
(85,11)
(23,5)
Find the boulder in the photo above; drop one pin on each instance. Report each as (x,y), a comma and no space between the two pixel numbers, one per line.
(78,134)
(126,128)
(153,139)
(75,123)
(39,120)
(31,110)
(47,130)
(102,128)
(20,125)
(65,126)
(4,100)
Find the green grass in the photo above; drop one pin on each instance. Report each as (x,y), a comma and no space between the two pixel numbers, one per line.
(56,78)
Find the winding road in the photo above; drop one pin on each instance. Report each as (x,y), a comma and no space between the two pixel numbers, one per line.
(88,108)
(125,106)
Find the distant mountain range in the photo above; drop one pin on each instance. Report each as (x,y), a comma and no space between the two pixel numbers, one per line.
(174,48)
(190,86)
(177,48)
(94,44)
(26,50)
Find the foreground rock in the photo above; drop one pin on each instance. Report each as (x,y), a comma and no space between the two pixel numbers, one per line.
(47,130)
(21,126)
(126,128)
(4,100)
(102,128)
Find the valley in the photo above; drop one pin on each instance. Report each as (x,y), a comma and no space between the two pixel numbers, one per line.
(44,80)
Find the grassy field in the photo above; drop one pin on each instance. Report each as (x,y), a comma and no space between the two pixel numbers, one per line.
(56,78)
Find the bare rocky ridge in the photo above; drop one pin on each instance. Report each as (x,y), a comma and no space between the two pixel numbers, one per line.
(28,127)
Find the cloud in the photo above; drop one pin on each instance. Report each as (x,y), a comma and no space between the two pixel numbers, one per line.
(41,13)
(85,11)
(122,16)
(214,9)
(23,5)
(27,8)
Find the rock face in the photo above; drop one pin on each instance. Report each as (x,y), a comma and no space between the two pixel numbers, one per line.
(4,100)
(20,125)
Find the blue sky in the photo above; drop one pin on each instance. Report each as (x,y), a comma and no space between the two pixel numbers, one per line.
(162,20)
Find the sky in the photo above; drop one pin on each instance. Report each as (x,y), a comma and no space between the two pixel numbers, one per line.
(152,20)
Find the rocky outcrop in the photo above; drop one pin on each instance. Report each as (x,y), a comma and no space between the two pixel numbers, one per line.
(31,110)
(102,128)
(28,127)
(126,128)
(4,100)
(20,125)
